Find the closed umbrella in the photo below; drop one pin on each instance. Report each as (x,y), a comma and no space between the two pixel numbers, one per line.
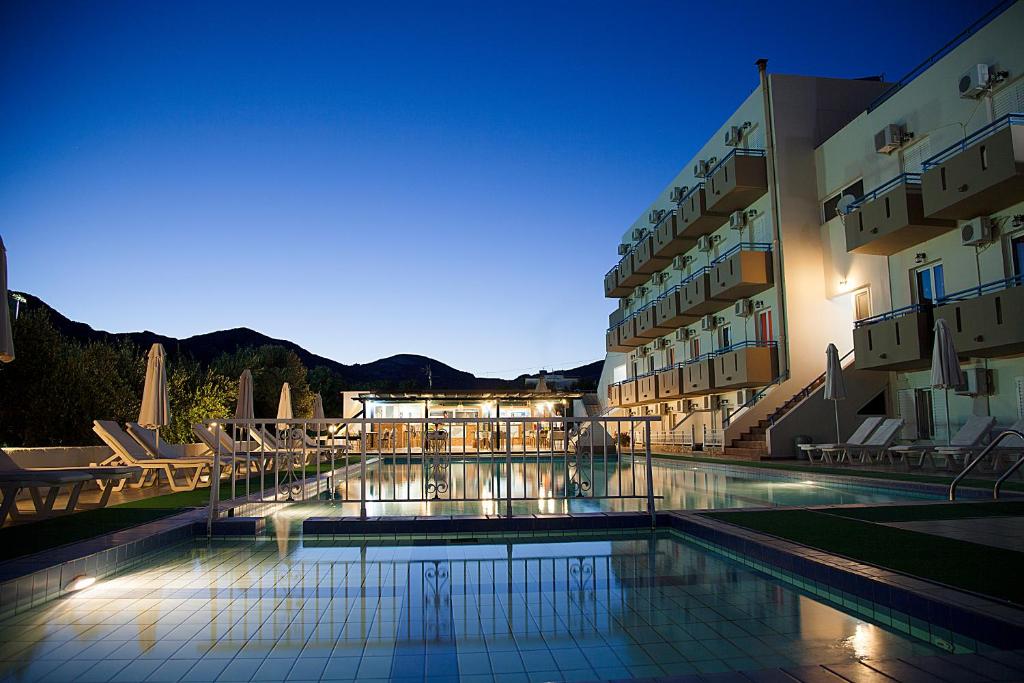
(244,408)
(946,372)
(318,407)
(284,406)
(6,336)
(835,384)
(156,411)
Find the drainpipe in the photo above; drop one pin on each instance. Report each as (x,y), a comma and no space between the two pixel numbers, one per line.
(773,198)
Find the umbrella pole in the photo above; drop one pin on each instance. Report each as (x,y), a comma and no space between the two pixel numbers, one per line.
(838,437)
(949,437)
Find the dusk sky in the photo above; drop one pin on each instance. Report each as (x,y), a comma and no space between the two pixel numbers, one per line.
(365,179)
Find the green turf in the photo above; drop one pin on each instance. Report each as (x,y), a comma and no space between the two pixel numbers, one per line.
(916,513)
(983,569)
(795,466)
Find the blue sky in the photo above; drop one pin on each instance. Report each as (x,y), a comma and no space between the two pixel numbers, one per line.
(368,179)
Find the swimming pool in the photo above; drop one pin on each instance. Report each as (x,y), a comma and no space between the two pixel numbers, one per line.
(679,486)
(630,605)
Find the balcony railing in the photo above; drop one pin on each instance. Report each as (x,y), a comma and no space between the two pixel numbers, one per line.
(736,152)
(902,179)
(742,246)
(986,288)
(1015,119)
(703,270)
(749,344)
(896,313)
(689,193)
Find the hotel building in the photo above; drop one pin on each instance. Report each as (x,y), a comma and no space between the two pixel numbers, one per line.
(825,211)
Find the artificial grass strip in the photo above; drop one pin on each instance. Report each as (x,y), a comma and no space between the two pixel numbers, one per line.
(25,539)
(970,566)
(943,479)
(938,511)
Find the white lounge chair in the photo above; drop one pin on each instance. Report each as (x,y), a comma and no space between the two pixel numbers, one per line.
(878,443)
(217,440)
(160,450)
(128,451)
(967,440)
(14,478)
(827,450)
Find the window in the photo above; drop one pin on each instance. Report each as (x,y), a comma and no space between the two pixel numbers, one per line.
(830,207)
(765,330)
(670,356)
(862,305)
(650,363)
(694,348)
(930,284)
(1017,254)
(724,336)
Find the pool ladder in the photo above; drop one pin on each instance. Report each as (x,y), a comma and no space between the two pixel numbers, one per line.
(981,456)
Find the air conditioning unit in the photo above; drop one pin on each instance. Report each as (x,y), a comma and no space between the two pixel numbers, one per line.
(624,301)
(623,249)
(708,322)
(743,396)
(733,136)
(738,220)
(743,308)
(643,351)
(890,138)
(701,168)
(976,231)
(638,233)
(660,278)
(979,382)
(683,333)
(680,262)
(705,243)
(654,216)
(974,82)
(712,402)
(677,193)
(640,291)
(663,343)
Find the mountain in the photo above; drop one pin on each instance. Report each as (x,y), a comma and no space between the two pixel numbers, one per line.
(408,369)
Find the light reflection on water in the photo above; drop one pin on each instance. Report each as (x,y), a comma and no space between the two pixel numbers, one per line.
(643,605)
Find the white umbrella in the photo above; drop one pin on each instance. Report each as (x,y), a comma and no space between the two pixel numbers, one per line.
(835,384)
(284,406)
(244,408)
(156,411)
(946,372)
(6,336)
(318,407)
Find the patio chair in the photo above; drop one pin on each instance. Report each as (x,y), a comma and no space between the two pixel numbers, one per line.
(967,440)
(878,444)
(275,444)
(128,451)
(161,451)
(827,450)
(14,478)
(216,438)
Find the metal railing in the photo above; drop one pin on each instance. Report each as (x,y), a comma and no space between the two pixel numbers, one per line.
(487,462)
(736,152)
(981,456)
(689,193)
(902,179)
(895,313)
(1014,119)
(742,246)
(979,290)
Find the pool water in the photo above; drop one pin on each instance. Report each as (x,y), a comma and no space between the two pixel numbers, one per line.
(518,610)
(391,483)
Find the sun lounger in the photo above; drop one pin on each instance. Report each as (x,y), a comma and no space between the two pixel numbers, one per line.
(128,451)
(826,451)
(295,442)
(217,440)
(878,443)
(14,478)
(967,440)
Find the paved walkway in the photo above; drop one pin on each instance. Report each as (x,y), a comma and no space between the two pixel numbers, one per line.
(1000,532)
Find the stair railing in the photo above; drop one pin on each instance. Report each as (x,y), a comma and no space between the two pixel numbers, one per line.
(806,391)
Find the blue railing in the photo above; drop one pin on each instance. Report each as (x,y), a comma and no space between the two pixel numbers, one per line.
(749,344)
(942,52)
(694,275)
(902,179)
(742,246)
(736,152)
(668,292)
(690,193)
(976,136)
(897,313)
(630,251)
(668,212)
(987,288)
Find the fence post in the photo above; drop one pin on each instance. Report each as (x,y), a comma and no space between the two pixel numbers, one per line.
(362,470)
(508,466)
(650,473)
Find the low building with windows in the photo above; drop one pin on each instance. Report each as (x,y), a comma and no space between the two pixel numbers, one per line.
(829,211)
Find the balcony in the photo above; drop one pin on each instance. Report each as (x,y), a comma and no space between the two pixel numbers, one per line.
(647,325)
(614,395)
(694,218)
(891,218)
(612,287)
(747,364)
(699,375)
(737,181)
(644,260)
(628,393)
(695,297)
(898,340)
(627,333)
(742,271)
(647,388)
(979,176)
(985,320)
(670,310)
(612,343)
(671,381)
(669,240)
